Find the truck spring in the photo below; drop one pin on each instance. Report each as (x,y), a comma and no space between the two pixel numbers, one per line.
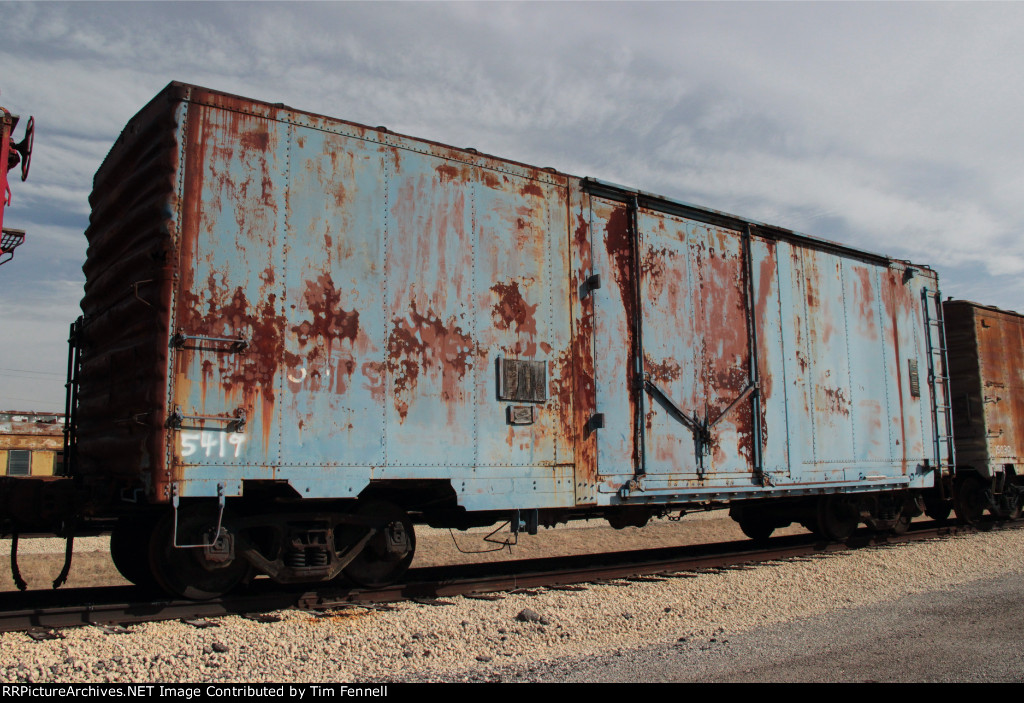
(311,556)
(316,557)
(295,558)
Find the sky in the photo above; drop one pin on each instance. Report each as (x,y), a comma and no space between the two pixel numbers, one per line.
(890,127)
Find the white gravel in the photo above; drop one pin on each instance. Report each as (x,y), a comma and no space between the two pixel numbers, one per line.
(483,640)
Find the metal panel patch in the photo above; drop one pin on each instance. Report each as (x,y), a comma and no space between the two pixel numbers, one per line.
(522,381)
(520,414)
(915,381)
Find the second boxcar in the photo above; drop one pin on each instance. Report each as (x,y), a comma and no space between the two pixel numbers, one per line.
(986,357)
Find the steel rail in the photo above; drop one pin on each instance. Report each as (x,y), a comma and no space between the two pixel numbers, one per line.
(49,610)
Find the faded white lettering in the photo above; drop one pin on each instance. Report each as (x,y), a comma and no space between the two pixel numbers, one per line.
(212,445)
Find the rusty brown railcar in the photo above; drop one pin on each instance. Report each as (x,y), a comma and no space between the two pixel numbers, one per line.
(986,361)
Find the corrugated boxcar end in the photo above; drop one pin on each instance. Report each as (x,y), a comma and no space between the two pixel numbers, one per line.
(171,95)
(129,274)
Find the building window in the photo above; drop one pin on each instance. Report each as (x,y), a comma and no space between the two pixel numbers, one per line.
(18,461)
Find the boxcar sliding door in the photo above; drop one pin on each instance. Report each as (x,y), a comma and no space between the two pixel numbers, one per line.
(675,363)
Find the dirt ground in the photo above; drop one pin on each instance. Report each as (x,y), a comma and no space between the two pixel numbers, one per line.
(40,561)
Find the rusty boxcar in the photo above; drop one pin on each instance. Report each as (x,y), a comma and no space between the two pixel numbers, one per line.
(302,335)
(986,360)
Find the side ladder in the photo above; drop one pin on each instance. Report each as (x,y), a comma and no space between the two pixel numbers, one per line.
(938,382)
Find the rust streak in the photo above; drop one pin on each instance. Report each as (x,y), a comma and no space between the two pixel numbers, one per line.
(574,381)
(448,173)
(511,309)
(532,189)
(330,321)
(425,343)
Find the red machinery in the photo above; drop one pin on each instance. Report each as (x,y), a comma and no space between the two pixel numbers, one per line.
(11,154)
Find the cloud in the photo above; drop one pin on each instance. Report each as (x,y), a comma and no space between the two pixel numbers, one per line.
(890,127)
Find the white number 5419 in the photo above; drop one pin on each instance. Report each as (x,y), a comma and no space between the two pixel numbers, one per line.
(213,445)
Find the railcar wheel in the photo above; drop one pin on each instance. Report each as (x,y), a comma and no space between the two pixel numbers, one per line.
(387,555)
(969,500)
(902,524)
(837,517)
(937,509)
(129,550)
(196,573)
(757,528)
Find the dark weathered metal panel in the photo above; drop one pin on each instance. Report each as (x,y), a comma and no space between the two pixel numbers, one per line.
(966,392)
(1001,356)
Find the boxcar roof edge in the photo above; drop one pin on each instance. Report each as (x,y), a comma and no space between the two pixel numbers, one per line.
(178,91)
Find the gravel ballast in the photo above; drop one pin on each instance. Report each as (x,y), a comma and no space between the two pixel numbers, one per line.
(518,638)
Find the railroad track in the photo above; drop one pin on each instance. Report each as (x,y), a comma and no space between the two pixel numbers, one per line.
(41,611)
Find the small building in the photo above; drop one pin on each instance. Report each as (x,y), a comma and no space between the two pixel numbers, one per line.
(31,443)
